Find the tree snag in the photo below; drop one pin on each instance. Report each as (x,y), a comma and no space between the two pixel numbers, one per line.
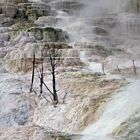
(53,63)
(33,73)
(134,66)
(41,79)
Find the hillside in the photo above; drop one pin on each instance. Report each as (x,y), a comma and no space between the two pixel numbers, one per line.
(96,44)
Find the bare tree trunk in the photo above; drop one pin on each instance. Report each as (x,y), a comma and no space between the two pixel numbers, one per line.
(52,61)
(55,97)
(33,73)
(41,79)
(25,66)
(103,68)
(118,69)
(134,66)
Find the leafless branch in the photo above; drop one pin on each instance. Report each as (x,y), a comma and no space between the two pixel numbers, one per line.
(46,99)
(57,90)
(53,62)
(34,91)
(47,88)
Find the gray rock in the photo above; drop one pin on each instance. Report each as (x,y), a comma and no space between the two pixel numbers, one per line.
(13,1)
(38,34)
(9,10)
(15,109)
(46,21)
(49,34)
(4,37)
(6,22)
(22,114)
(100,31)
(55,35)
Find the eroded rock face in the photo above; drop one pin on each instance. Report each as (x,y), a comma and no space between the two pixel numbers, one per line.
(13,1)
(20,59)
(9,11)
(4,39)
(19,109)
(6,22)
(48,21)
(9,8)
(19,56)
(49,34)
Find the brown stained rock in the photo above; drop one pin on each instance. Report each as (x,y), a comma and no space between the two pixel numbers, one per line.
(84,102)
(21,65)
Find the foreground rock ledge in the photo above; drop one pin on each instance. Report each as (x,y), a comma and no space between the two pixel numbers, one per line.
(34,132)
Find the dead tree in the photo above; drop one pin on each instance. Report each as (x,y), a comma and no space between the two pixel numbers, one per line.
(134,66)
(103,68)
(53,62)
(33,73)
(41,79)
(119,70)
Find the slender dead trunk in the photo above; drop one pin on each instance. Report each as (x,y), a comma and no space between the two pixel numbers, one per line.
(33,73)
(103,68)
(55,97)
(134,66)
(119,70)
(52,60)
(41,79)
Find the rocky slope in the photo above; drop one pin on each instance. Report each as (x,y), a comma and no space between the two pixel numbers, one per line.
(35,27)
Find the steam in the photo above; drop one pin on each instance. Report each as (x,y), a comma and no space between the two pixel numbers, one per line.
(122,20)
(99,8)
(119,18)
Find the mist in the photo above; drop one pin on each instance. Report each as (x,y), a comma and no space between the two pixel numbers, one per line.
(116,16)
